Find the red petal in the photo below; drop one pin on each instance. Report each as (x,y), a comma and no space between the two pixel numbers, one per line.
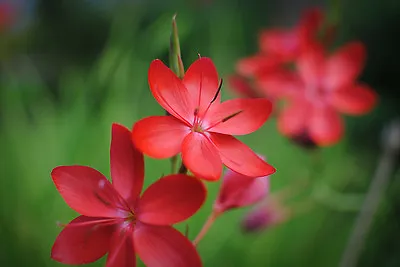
(259,63)
(163,246)
(239,157)
(310,66)
(241,86)
(170,93)
(238,190)
(326,127)
(355,100)
(282,42)
(310,23)
(280,84)
(343,67)
(127,164)
(87,191)
(201,157)
(293,120)
(201,80)
(159,136)
(122,252)
(171,199)
(238,116)
(82,241)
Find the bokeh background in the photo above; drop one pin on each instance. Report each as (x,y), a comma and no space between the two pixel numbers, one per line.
(68,69)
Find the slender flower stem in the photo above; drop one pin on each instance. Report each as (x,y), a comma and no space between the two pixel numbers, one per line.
(176,65)
(207,225)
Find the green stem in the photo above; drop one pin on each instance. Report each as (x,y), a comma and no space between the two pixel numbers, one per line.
(176,65)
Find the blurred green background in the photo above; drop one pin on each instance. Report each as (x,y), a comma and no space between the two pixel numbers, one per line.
(71,68)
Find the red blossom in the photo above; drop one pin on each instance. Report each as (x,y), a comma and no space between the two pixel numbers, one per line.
(324,87)
(116,220)
(238,191)
(201,127)
(287,44)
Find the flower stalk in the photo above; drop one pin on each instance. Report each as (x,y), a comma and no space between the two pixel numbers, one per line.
(176,65)
(206,227)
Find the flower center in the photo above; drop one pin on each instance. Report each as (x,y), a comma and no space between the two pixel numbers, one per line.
(131,218)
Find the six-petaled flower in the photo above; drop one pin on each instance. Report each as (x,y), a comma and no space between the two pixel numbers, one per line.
(116,219)
(201,127)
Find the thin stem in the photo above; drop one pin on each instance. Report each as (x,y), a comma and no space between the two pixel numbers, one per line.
(207,225)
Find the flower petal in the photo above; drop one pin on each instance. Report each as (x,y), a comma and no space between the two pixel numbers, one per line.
(163,246)
(171,199)
(127,164)
(201,157)
(86,191)
(343,67)
(280,84)
(159,136)
(169,92)
(326,126)
(311,21)
(310,66)
(238,116)
(281,42)
(293,120)
(82,241)
(239,157)
(355,100)
(250,66)
(238,190)
(201,80)
(122,252)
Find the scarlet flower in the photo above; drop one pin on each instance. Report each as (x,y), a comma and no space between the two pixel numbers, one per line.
(239,191)
(287,44)
(279,46)
(201,127)
(325,86)
(115,219)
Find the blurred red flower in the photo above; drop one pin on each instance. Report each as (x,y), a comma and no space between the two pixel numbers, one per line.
(115,219)
(239,191)
(323,87)
(201,127)
(288,44)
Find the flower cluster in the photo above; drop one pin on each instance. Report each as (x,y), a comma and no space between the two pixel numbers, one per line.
(117,219)
(295,65)
(292,65)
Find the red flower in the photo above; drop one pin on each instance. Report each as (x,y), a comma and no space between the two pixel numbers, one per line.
(115,219)
(200,126)
(238,191)
(325,86)
(287,44)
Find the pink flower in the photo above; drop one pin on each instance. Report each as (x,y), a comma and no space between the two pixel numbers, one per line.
(238,191)
(263,216)
(323,87)
(288,44)
(201,127)
(116,219)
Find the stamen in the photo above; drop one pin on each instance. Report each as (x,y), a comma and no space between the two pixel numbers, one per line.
(231,116)
(198,54)
(224,120)
(105,202)
(217,93)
